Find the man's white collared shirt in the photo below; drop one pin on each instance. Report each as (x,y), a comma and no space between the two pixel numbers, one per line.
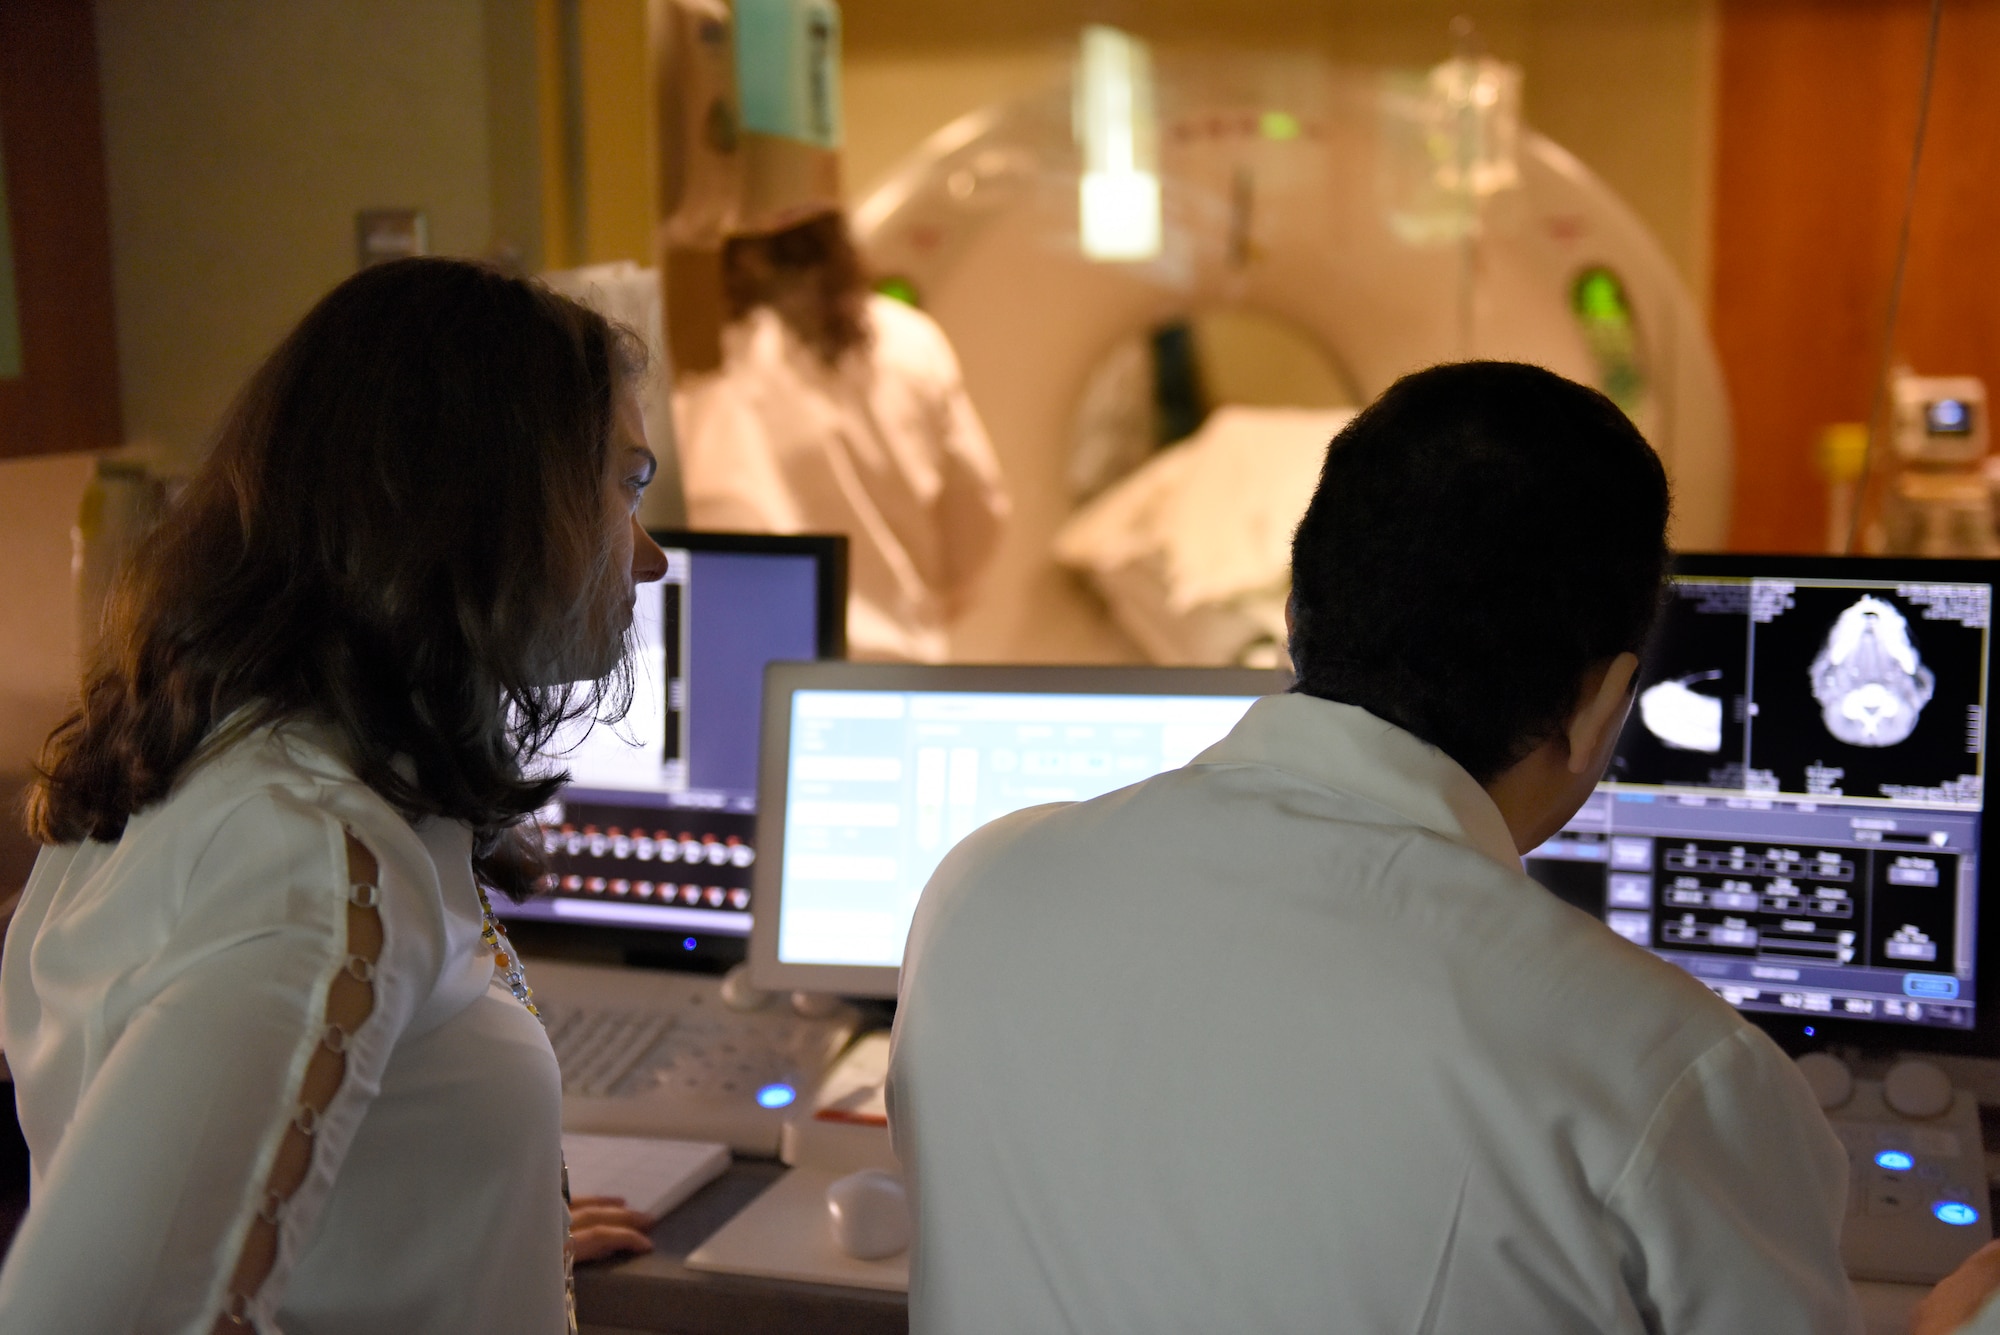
(1286,1041)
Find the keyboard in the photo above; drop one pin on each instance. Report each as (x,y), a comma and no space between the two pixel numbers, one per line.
(605,1051)
(650,1053)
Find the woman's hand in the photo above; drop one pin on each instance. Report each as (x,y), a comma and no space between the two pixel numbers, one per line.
(601,1226)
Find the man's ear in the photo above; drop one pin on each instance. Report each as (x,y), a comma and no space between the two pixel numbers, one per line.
(1602,711)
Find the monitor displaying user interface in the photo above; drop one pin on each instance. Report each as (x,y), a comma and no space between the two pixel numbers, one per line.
(872,772)
(656,828)
(1797,808)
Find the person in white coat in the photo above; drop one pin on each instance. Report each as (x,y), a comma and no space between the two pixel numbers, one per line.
(275,1066)
(837,410)
(1285,1040)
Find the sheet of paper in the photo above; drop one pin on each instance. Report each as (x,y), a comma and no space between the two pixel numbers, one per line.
(856,1089)
(653,1176)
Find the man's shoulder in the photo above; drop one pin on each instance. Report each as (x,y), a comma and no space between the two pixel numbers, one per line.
(994,847)
(1305,847)
(1073,835)
(1530,943)
(910,340)
(898,319)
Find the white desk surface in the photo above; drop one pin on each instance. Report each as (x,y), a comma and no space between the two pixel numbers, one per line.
(1886,1307)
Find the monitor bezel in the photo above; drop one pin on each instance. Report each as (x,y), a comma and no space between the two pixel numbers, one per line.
(783,680)
(829,553)
(1802,1033)
(829,548)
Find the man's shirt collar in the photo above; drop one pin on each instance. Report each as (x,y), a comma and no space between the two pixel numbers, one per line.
(1350,750)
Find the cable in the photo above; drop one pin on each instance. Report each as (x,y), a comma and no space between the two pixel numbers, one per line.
(1879,402)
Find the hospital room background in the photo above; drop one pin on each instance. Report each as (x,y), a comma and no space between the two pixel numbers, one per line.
(1622,191)
(1116,270)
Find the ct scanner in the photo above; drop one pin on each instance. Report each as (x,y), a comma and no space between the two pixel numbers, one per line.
(1299,189)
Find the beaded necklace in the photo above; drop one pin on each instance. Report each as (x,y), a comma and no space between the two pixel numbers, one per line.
(508,962)
(504,958)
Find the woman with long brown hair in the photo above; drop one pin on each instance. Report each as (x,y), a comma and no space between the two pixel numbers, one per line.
(266,1070)
(838,410)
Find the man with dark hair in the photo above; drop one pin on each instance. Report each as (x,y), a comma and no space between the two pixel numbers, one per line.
(1286,1040)
(1484,536)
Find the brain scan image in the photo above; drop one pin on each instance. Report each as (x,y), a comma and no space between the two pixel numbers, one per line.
(1682,717)
(1869,682)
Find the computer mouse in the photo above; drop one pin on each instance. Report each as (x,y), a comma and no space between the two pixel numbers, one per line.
(869,1214)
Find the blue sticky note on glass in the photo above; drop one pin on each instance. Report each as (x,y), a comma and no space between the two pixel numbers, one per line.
(788,69)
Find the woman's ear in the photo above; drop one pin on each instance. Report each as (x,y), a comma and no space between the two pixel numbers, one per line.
(1595,724)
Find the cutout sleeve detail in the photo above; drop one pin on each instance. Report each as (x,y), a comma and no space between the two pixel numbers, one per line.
(350,999)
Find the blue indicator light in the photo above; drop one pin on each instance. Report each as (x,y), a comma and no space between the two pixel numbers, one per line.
(1895,1161)
(1810,1031)
(1956,1213)
(688,944)
(776,1096)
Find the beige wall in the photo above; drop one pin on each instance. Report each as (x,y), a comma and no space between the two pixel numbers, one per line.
(1626,85)
(1630,89)
(240,138)
(242,135)
(38,502)
(620,176)
(892,101)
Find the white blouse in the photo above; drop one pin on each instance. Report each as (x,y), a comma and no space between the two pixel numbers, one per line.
(160,999)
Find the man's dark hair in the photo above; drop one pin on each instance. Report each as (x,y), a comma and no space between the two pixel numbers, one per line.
(1481,535)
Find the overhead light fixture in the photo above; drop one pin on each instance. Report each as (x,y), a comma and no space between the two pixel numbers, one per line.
(1118,132)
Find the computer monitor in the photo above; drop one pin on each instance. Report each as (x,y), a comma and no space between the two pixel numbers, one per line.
(1797,811)
(873,771)
(655,832)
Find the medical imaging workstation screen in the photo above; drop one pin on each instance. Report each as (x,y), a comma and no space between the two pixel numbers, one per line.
(656,829)
(883,783)
(1793,813)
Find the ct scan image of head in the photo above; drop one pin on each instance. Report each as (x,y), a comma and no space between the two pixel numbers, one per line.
(1869,682)
(1682,717)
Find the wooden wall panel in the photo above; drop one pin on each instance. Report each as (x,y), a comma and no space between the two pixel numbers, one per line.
(51,136)
(1818,103)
